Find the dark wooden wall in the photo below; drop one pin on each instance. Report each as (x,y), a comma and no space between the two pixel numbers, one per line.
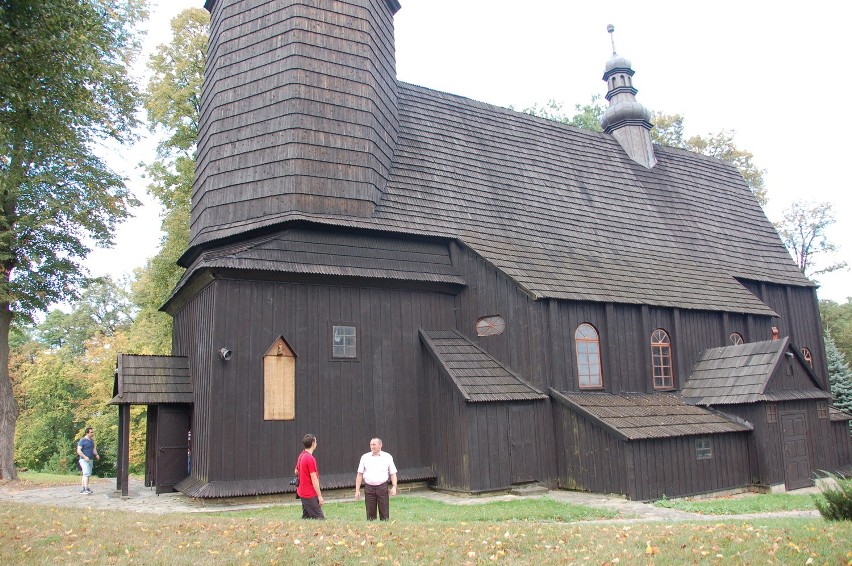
(591,459)
(476,447)
(768,437)
(669,467)
(525,344)
(446,434)
(193,337)
(842,444)
(538,342)
(798,308)
(343,402)
(594,459)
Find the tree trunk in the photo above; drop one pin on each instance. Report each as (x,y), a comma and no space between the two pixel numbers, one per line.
(8,405)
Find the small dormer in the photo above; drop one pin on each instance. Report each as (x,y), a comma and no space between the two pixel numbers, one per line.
(626,119)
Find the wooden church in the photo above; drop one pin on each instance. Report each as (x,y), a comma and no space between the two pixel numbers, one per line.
(503,299)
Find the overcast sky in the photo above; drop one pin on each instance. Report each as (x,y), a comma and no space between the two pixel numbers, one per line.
(770,73)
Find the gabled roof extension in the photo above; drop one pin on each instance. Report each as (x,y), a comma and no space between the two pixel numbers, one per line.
(477,376)
(741,373)
(150,380)
(642,416)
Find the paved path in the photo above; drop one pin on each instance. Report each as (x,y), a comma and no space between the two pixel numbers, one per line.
(142,499)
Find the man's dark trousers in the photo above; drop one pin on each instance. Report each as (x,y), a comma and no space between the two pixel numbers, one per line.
(377,496)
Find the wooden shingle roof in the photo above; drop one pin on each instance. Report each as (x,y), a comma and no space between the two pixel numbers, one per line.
(477,376)
(641,416)
(836,415)
(337,253)
(566,213)
(741,374)
(149,380)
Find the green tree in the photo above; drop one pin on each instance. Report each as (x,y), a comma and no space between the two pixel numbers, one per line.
(173,102)
(586,116)
(839,376)
(837,322)
(103,307)
(50,388)
(803,231)
(64,88)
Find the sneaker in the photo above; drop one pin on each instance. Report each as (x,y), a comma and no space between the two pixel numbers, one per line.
(84,490)
(88,492)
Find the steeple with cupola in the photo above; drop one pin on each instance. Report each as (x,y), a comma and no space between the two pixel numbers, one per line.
(626,119)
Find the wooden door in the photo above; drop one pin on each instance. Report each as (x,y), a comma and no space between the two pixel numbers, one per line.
(794,440)
(523,462)
(172,463)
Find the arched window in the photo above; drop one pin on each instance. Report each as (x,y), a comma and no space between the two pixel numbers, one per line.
(661,359)
(808,357)
(736,338)
(588,357)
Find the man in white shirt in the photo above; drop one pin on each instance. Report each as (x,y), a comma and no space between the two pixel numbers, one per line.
(375,469)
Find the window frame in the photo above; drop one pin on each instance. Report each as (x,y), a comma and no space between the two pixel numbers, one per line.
(662,350)
(498,328)
(772,414)
(331,328)
(822,410)
(703,448)
(580,355)
(736,339)
(808,356)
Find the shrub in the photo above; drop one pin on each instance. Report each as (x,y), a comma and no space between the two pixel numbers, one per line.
(835,502)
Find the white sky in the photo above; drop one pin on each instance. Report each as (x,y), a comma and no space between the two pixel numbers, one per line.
(770,73)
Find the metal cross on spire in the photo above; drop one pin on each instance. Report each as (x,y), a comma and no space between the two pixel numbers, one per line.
(611,28)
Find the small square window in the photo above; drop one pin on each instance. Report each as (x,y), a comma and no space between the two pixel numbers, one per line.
(703,448)
(771,414)
(344,342)
(822,410)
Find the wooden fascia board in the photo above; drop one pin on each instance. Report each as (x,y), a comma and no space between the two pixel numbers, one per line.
(187,289)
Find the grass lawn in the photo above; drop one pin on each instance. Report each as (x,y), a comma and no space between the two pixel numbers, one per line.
(422,531)
(743,504)
(40,535)
(34,480)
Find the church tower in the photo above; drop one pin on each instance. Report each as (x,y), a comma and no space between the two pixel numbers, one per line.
(299,117)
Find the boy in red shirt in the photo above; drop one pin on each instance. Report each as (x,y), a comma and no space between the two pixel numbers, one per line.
(309,485)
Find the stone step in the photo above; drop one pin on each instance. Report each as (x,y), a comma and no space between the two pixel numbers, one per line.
(530,489)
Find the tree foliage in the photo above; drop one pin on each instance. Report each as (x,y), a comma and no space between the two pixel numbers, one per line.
(803,231)
(104,307)
(50,388)
(64,88)
(586,116)
(839,376)
(837,322)
(173,102)
(64,380)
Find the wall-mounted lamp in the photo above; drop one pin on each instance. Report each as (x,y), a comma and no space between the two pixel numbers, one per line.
(225,354)
(788,354)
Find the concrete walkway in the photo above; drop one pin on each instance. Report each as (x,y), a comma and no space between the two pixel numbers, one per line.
(142,499)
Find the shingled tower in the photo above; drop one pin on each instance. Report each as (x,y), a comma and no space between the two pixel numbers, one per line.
(299,114)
